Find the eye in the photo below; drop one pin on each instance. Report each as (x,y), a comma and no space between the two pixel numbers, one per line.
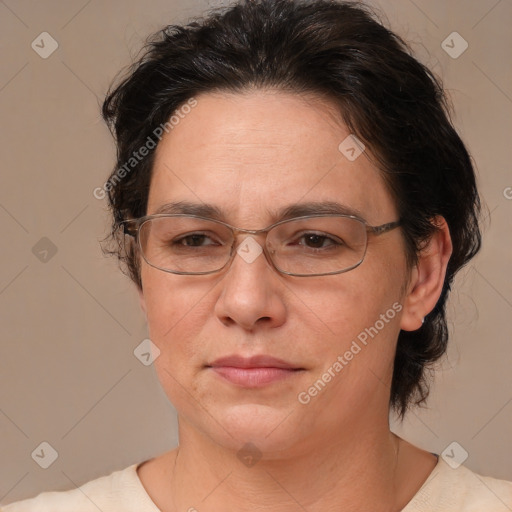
(318,240)
(195,240)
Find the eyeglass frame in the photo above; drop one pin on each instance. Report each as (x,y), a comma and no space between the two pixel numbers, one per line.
(133,231)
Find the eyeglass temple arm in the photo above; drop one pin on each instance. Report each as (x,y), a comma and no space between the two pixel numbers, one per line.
(129,227)
(378,230)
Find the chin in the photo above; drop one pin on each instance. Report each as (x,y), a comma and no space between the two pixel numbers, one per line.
(267,428)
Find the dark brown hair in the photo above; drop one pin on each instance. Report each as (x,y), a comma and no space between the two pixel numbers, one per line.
(386,97)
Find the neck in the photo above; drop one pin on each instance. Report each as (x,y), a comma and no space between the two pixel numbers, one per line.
(351,472)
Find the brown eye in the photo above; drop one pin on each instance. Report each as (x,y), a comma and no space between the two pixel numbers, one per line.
(194,240)
(318,241)
(315,241)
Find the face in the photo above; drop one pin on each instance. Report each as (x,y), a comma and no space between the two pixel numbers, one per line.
(251,156)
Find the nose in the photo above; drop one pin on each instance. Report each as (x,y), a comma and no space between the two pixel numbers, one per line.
(252,291)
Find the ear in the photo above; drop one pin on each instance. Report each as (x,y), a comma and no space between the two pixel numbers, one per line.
(142,302)
(427,277)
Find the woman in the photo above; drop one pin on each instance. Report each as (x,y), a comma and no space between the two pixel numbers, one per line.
(293,204)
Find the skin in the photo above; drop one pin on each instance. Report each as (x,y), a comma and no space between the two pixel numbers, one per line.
(249,155)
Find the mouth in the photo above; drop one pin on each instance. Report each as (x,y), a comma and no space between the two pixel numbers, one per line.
(253,372)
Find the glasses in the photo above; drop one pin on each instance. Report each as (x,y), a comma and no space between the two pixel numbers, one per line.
(313,245)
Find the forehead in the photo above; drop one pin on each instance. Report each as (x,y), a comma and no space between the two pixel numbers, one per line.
(254,152)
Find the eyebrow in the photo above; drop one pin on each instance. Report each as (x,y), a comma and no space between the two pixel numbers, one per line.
(288,212)
(188,208)
(316,208)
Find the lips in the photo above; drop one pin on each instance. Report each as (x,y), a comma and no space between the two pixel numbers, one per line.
(253,371)
(260,361)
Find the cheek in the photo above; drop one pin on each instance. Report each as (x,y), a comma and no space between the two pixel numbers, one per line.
(176,308)
(346,303)
(363,305)
(176,313)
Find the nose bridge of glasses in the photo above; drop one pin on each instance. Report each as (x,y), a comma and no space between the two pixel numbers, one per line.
(239,238)
(247,247)
(249,231)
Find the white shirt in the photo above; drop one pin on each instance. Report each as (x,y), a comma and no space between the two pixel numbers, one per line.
(445,490)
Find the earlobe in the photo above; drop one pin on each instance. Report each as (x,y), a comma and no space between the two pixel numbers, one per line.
(427,277)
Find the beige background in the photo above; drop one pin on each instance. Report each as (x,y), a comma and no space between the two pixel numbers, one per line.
(69,325)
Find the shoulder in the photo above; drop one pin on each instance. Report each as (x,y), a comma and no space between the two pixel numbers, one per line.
(121,490)
(461,490)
